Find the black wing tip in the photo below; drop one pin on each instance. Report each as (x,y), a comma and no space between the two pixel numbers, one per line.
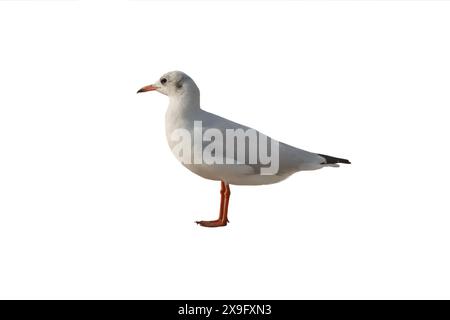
(333,160)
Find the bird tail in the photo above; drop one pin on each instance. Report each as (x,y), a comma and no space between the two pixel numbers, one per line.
(333,160)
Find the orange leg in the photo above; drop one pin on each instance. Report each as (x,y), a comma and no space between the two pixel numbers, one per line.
(223,214)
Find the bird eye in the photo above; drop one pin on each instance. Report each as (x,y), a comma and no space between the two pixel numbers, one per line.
(163,80)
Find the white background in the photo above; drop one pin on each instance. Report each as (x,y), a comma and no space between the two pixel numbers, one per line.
(94,205)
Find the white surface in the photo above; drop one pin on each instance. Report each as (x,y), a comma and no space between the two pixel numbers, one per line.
(92,207)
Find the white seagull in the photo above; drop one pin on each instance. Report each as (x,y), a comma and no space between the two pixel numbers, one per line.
(212,158)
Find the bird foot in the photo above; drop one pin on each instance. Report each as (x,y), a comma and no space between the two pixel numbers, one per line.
(213,223)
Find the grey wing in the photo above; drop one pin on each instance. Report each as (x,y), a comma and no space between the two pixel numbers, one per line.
(286,158)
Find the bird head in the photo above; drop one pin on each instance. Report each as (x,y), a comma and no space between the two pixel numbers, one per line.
(172,84)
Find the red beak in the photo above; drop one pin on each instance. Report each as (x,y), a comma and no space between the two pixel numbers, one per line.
(147,88)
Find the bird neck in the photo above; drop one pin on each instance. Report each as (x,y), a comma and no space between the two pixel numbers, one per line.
(189,100)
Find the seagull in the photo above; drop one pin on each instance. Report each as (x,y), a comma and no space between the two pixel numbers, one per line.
(213,148)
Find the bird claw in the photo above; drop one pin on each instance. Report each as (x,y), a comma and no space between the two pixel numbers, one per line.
(212,224)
